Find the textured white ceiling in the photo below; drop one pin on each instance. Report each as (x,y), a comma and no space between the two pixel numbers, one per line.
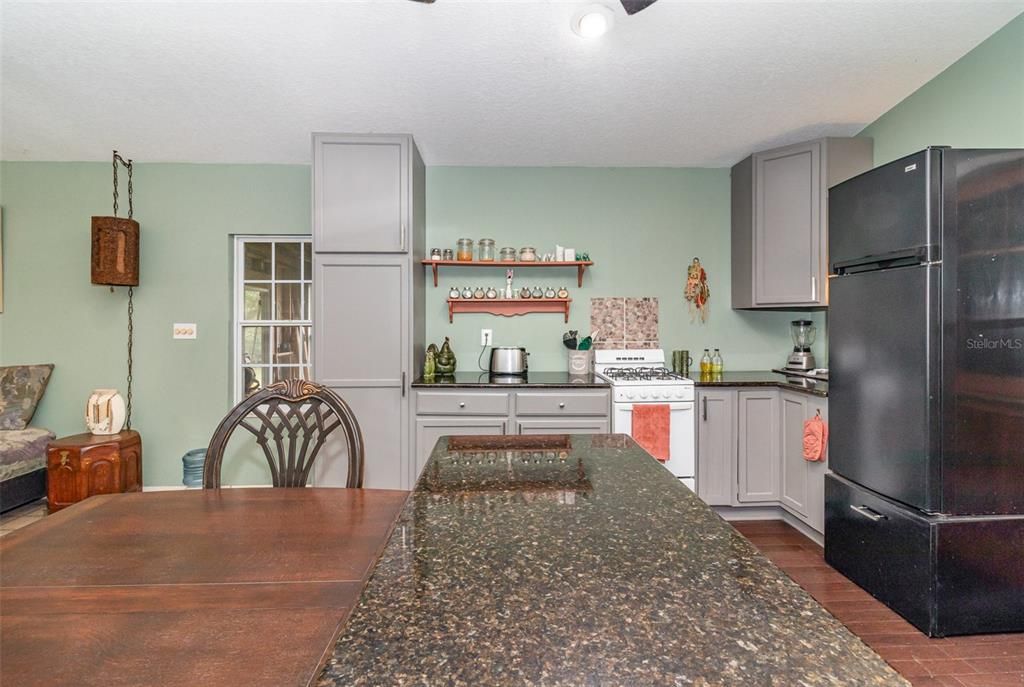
(478,83)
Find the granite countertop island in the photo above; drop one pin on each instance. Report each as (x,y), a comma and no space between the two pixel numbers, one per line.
(579,560)
(474,380)
(759,378)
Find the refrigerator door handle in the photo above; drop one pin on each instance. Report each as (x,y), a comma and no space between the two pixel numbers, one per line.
(867,513)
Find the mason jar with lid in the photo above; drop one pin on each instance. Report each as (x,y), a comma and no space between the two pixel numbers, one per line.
(508,254)
(486,250)
(527,254)
(464,250)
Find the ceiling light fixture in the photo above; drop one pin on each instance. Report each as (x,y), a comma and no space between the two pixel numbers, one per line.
(592,21)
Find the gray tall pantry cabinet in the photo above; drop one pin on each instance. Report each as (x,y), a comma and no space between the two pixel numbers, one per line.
(368,295)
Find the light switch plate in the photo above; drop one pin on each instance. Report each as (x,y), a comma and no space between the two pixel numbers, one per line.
(184,330)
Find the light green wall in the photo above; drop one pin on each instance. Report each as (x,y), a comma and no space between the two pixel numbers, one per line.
(978,102)
(640,226)
(54,314)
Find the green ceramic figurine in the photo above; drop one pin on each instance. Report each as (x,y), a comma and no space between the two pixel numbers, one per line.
(430,363)
(446,359)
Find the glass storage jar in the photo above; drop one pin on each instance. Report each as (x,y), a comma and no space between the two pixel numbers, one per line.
(464,250)
(527,254)
(486,251)
(508,254)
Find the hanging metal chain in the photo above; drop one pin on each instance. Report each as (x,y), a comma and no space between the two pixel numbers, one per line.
(131,291)
(131,334)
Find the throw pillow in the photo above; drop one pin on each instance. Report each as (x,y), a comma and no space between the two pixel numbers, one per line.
(21,387)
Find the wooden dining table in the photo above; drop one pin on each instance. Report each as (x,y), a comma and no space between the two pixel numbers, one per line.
(211,587)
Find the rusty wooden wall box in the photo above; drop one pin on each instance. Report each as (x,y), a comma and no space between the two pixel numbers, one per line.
(115,251)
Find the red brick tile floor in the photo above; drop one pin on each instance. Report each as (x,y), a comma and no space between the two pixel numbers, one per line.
(975,661)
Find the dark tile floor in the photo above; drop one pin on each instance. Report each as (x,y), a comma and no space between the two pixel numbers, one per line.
(976,661)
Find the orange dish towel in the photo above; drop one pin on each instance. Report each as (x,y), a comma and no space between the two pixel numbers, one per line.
(815,438)
(651,428)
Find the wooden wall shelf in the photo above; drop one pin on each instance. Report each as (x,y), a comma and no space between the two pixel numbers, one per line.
(508,307)
(580,265)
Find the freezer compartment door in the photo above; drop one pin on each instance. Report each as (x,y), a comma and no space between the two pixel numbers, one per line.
(883,548)
(890,211)
(884,385)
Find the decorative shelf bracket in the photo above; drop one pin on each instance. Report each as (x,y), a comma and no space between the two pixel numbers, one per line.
(508,307)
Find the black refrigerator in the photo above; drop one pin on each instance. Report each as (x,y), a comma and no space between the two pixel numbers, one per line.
(925,506)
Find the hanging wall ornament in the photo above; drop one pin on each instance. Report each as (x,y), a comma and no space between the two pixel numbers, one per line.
(697,291)
(115,259)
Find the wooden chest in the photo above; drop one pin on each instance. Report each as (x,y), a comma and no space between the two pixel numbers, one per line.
(84,465)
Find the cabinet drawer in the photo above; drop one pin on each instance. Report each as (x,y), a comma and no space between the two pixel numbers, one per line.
(461,403)
(882,547)
(562,402)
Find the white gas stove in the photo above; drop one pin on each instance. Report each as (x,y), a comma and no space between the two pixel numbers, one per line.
(640,377)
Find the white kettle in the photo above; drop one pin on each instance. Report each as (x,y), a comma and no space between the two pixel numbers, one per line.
(105,412)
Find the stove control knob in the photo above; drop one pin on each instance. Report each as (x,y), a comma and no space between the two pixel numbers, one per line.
(643,394)
(629,394)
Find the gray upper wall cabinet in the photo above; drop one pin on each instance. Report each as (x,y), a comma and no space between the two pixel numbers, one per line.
(361,193)
(368,292)
(779,220)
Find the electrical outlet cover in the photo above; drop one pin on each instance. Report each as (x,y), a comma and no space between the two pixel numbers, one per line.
(185,330)
(486,337)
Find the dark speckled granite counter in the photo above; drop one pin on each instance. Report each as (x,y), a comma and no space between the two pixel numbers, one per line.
(755,378)
(474,380)
(581,561)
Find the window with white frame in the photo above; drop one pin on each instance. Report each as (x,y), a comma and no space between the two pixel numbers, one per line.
(273,327)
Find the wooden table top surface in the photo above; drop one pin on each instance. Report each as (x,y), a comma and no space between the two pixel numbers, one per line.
(188,587)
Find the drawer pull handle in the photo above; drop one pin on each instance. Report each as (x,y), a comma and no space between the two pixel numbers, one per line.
(462,404)
(561,404)
(867,513)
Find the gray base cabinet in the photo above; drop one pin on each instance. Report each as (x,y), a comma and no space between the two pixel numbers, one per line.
(779,220)
(803,482)
(496,411)
(716,446)
(758,446)
(368,312)
(750,451)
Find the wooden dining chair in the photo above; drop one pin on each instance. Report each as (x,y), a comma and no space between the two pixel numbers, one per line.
(291,420)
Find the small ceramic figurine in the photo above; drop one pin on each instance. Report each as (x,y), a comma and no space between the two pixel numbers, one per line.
(509,293)
(524,292)
(467,292)
(563,292)
(446,359)
(491,292)
(430,362)
(454,293)
(549,293)
(479,293)
(537,293)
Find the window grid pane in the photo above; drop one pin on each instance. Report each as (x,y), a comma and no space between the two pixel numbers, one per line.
(274,327)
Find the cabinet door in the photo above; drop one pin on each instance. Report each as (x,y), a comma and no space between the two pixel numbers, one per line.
(360,328)
(795,472)
(716,447)
(758,458)
(361,339)
(562,425)
(788,226)
(816,472)
(381,413)
(360,193)
(430,429)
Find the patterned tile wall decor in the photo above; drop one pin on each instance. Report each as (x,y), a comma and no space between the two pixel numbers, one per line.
(624,322)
